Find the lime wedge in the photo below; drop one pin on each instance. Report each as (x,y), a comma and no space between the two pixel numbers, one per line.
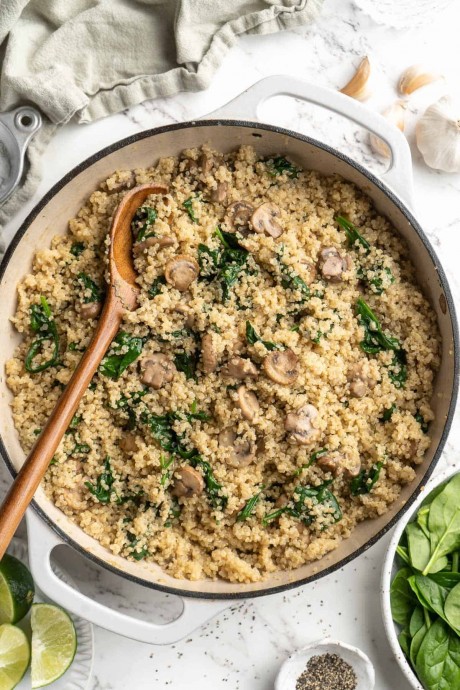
(16,590)
(54,643)
(14,656)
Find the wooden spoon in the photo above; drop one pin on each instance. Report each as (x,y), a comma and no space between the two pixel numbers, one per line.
(122,295)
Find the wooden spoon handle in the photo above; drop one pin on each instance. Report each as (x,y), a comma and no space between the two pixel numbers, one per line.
(37,462)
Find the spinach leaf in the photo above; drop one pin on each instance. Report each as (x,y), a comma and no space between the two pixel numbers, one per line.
(213,488)
(444,523)
(187,363)
(397,370)
(404,640)
(142,222)
(416,643)
(418,545)
(402,598)
(352,233)
(375,339)
(291,281)
(88,285)
(446,579)
(188,205)
(422,520)
(80,449)
(77,248)
(280,165)
(224,264)
(452,608)
(249,508)
(376,277)
(421,421)
(438,659)
(388,413)
(253,337)
(403,554)
(366,480)
(299,509)
(103,490)
(165,464)
(430,595)
(417,621)
(124,350)
(313,458)
(127,404)
(43,324)
(157,286)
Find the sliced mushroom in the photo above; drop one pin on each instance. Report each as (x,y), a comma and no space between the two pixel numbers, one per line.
(158,370)
(249,405)
(360,382)
(300,425)
(242,451)
(239,214)
(189,315)
(206,162)
(90,310)
(338,464)
(187,482)
(264,220)
(333,264)
(181,271)
(159,242)
(282,367)
(128,443)
(208,354)
(219,194)
(308,273)
(240,368)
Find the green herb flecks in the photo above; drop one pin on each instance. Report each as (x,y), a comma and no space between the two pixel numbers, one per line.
(142,223)
(352,233)
(252,337)
(280,166)
(304,497)
(366,480)
(378,278)
(188,205)
(388,413)
(313,458)
(165,464)
(80,449)
(93,292)
(213,488)
(187,363)
(137,554)
(157,286)
(77,248)
(250,506)
(103,489)
(223,264)
(124,350)
(44,326)
(128,405)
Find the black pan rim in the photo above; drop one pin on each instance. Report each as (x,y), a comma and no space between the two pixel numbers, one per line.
(392,196)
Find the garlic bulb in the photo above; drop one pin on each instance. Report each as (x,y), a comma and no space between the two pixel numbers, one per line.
(414,78)
(358,86)
(438,136)
(394,114)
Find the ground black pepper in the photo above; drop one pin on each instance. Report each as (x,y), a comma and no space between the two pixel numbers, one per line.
(327,672)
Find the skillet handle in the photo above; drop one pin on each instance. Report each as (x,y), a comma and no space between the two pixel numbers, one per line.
(42,540)
(246,105)
(17,127)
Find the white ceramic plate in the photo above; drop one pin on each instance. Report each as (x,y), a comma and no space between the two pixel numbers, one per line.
(392,629)
(78,676)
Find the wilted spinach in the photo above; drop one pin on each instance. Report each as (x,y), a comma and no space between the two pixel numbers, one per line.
(366,480)
(298,509)
(77,248)
(249,507)
(280,165)
(103,490)
(124,350)
(142,222)
(157,286)
(43,324)
(188,205)
(223,264)
(252,337)
(352,233)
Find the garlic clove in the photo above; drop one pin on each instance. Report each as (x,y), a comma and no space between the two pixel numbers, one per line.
(414,78)
(358,86)
(396,115)
(438,135)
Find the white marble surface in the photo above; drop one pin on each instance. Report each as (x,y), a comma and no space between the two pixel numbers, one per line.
(243,647)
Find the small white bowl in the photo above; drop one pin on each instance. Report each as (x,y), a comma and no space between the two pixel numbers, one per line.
(296,663)
(392,629)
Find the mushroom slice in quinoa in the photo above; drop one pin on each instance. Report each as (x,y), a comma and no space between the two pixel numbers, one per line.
(90,310)
(338,464)
(333,264)
(300,425)
(242,451)
(238,216)
(264,220)
(159,242)
(157,370)
(181,271)
(248,403)
(189,315)
(282,366)
(187,482)
(208,354)
(308,271)
(219,194)
(359,380)
(240,368)
(128,443)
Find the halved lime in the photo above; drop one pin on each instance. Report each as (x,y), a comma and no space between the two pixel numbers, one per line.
(54,643)
(16,590)
(14,655)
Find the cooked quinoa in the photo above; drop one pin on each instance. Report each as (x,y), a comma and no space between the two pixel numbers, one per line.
(251,411)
